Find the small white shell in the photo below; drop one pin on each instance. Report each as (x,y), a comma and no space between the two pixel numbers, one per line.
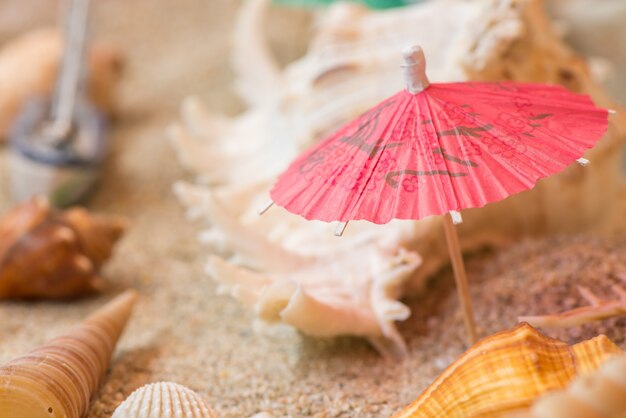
(164,400)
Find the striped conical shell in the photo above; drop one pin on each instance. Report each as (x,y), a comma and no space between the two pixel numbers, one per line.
(164,400)
(506,372)
(58,379)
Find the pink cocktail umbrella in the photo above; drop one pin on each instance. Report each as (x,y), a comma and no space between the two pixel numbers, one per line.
(436,149)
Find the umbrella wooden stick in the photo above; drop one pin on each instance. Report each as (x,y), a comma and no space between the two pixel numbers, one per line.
(460,277)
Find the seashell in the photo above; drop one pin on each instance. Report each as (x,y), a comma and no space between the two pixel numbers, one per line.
(319,294)
(505,372)
(29,65)
(164,400)
(58,379)
(586,31)
(601,394)
(74,244)
(351,65)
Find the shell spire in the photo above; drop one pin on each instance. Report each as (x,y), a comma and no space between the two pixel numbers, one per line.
(506,372)
(58,379)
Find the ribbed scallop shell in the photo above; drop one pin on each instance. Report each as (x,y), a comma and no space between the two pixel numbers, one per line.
(164,400)
(506,372)
(58,379)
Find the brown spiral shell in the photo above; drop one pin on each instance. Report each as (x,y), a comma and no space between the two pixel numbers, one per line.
(48,253)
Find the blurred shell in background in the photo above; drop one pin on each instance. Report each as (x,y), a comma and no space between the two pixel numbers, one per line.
(29,67)
(597,32)
(47,253)
(290,270)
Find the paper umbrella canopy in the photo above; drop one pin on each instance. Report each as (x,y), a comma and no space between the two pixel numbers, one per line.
(449,147)
(440,148)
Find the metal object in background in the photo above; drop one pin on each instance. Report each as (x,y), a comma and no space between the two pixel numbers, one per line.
(58,146)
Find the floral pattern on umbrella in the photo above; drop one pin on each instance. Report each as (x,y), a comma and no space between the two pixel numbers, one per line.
(453,146)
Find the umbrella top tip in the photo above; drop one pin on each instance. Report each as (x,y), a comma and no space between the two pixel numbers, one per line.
(413,54)
(415,69)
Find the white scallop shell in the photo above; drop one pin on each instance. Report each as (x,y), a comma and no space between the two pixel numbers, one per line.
(164,400)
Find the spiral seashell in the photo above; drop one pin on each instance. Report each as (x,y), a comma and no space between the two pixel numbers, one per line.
(506,372)
(58,379)
(164,400)
(601,394)
(74,245)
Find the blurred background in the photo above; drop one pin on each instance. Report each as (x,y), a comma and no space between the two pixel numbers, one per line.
(154,54)
(171,48)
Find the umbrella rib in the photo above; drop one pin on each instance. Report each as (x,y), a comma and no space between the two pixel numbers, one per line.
(397,198)
(442,192)
(477,184)
(535,156)
(509,167)
(513,169)
(349,205)
(534,161)
(322,191)
(506,164)
(401,164)
(393,122)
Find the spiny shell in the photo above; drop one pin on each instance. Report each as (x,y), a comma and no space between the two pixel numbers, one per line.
(164,400)
(349,290)
(58,379)
(505,372)
(73,243)
(601,394)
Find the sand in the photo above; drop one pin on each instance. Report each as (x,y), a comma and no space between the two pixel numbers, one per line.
(184,332)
